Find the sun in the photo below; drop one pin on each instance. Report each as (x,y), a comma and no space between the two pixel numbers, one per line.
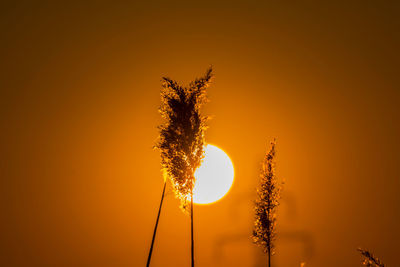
(214,177)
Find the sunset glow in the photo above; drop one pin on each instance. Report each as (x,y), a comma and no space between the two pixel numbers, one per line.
(200,134)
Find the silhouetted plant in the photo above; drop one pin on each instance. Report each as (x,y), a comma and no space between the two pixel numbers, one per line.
(268,195)
(368,259)
(181,141)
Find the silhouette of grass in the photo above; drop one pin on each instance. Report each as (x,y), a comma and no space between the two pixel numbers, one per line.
(368,259)
(181,141)
(268,195)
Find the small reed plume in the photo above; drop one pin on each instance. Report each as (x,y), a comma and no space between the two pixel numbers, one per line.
(181,141)
(268,195)
(368,259)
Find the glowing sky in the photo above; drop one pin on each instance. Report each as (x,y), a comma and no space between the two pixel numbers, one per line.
(80,82)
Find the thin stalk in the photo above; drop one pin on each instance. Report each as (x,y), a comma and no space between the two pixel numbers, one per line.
(269,234)
(191,226)
(155,227)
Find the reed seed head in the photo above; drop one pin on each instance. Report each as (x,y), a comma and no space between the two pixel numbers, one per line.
(181,139)
(268,195)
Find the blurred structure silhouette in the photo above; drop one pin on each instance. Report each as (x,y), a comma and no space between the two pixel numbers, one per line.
(240,205)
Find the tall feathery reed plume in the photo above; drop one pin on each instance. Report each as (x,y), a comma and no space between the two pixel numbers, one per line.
(368,259)
(268,195)
(181,140)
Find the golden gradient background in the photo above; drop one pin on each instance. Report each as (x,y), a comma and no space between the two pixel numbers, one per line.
(80,82)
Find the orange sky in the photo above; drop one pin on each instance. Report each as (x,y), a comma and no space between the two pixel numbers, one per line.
(80,90)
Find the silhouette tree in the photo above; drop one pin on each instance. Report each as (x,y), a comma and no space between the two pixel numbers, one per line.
(181,141)
(368,259)
(268,195)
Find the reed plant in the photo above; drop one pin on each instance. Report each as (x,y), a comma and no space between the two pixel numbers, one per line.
(368,259)
(268,195)
(181,140)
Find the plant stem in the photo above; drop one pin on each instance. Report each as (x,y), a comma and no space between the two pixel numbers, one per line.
(191,226)
(269,256)
(155,227)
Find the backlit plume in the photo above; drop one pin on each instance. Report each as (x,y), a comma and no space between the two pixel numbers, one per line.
(368,259)
(268,195)
(181,140)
